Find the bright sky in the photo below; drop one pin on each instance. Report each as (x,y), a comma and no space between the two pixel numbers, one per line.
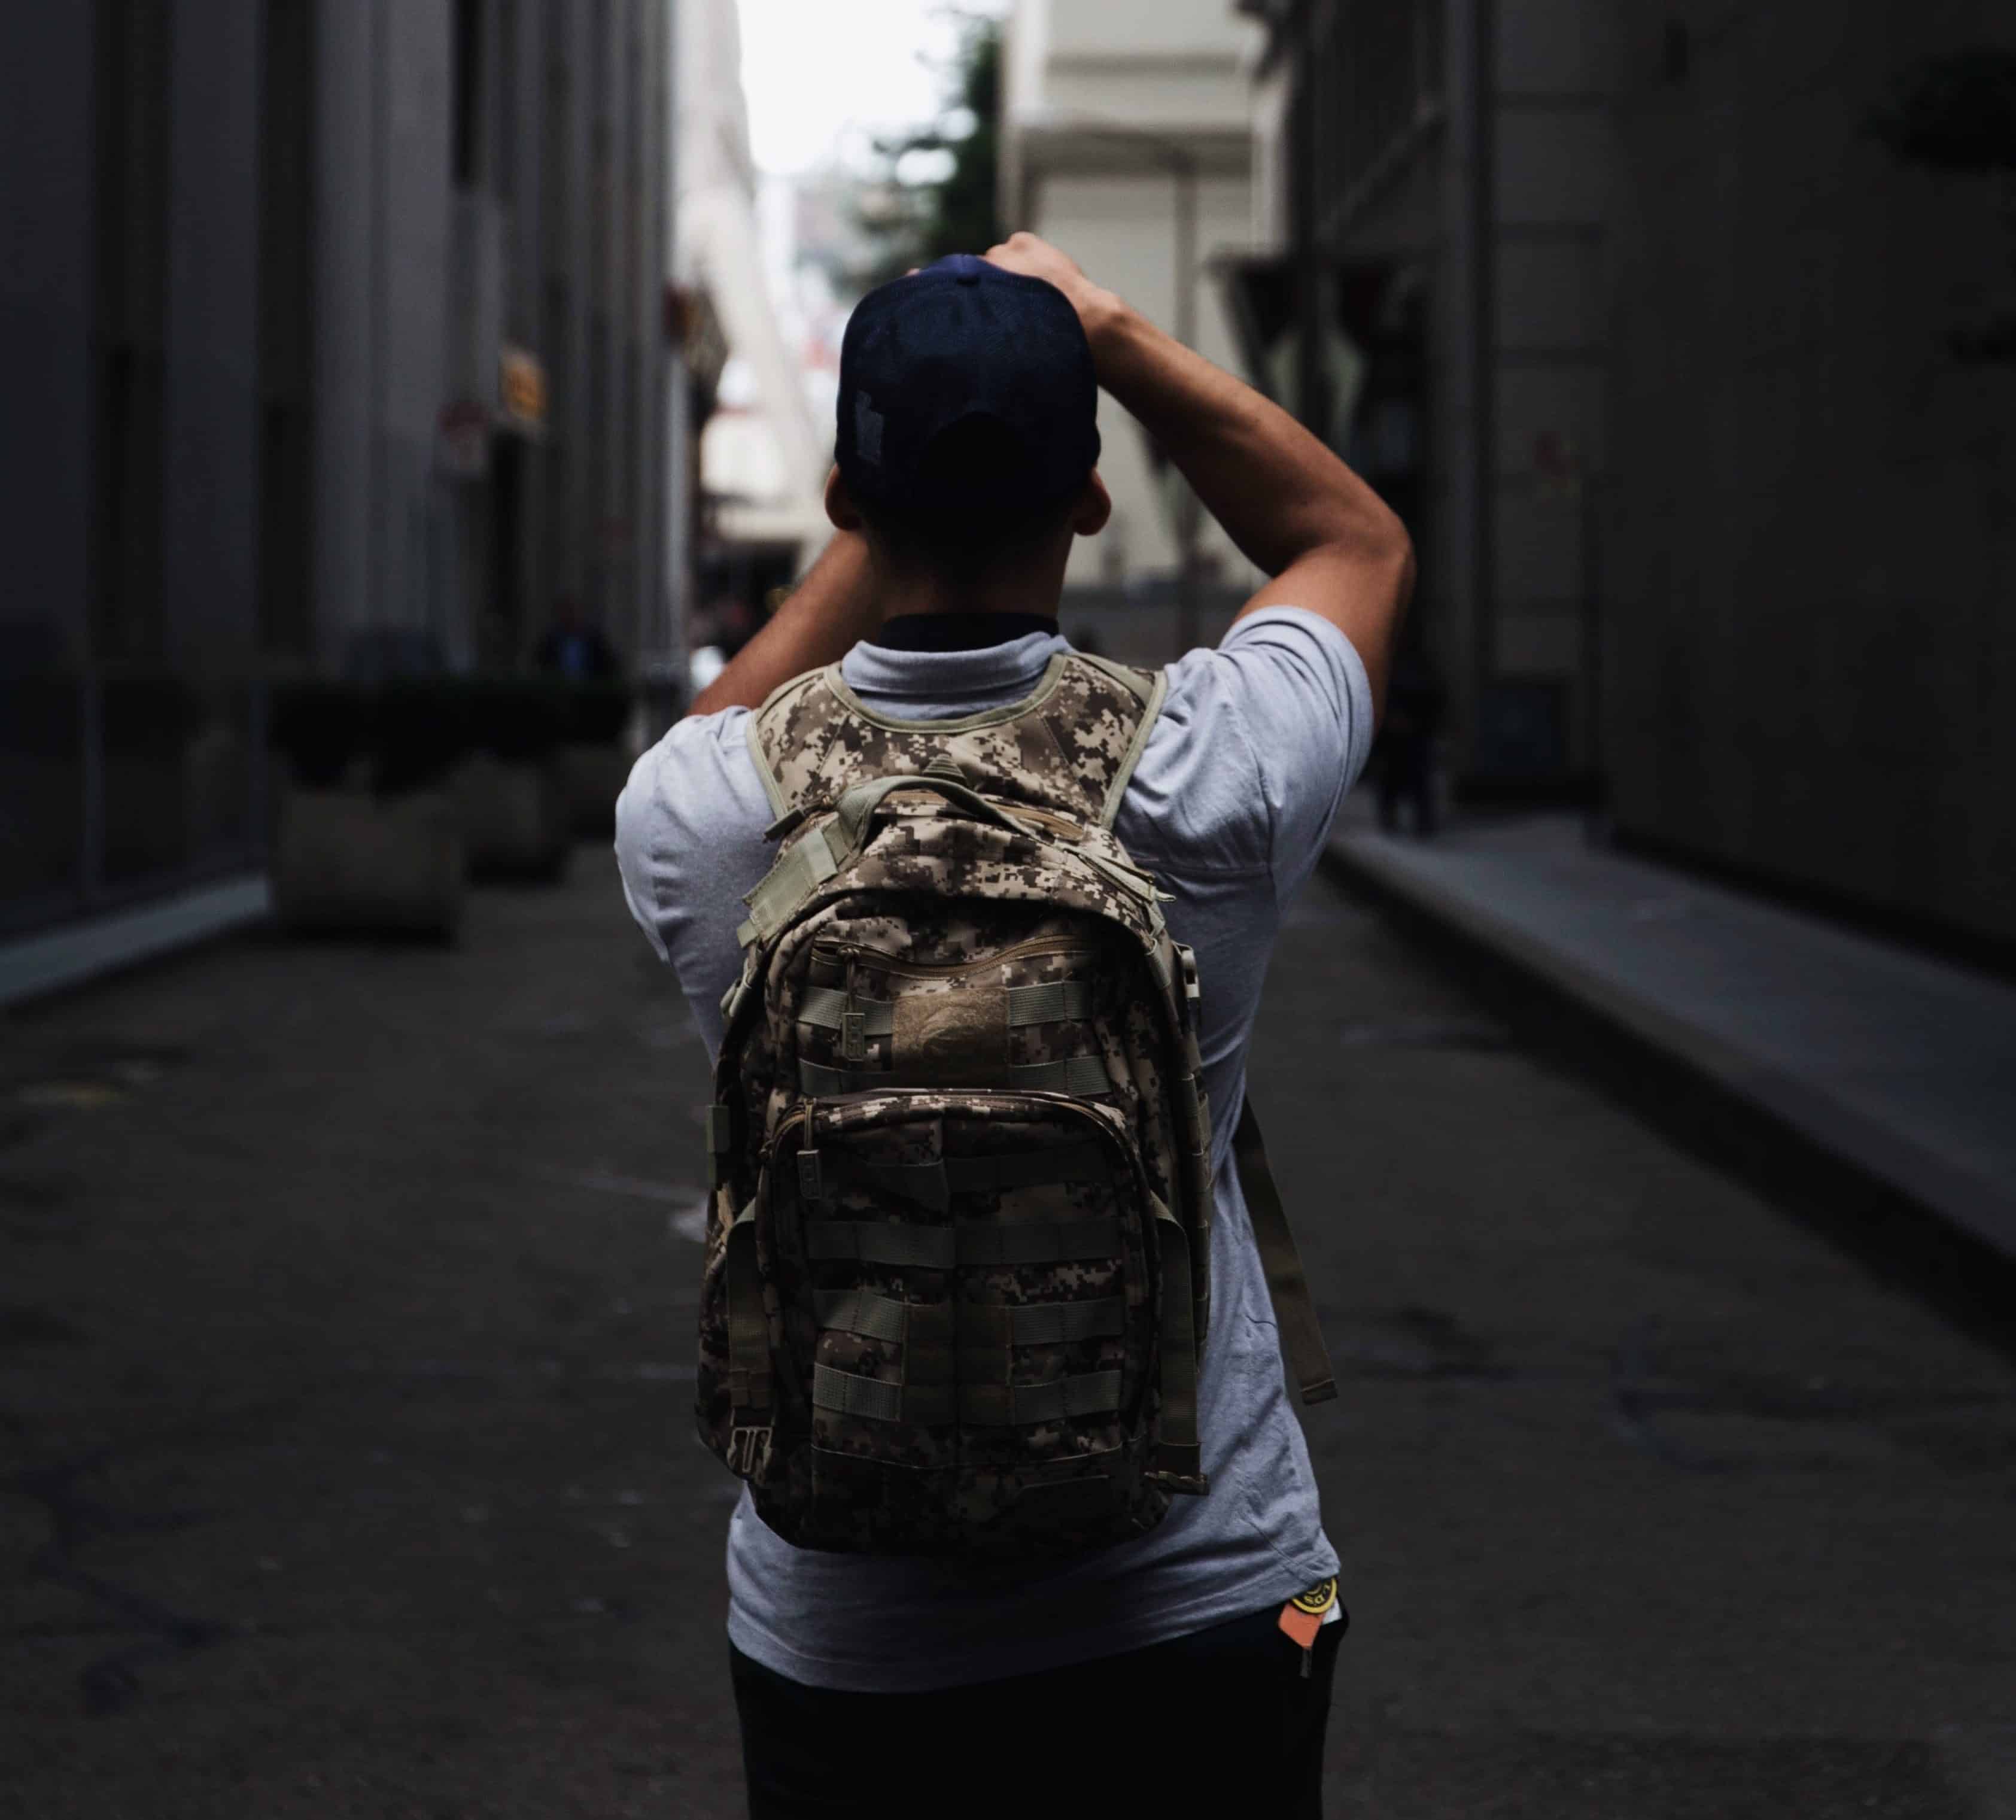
(822,76)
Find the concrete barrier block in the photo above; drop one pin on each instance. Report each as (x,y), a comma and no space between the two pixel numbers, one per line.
(346,860)
(593,776)
(515,818)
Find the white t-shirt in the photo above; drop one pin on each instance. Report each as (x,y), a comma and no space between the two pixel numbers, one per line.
(1229,806)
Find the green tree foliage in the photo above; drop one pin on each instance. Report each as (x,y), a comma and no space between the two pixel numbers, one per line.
(915,222)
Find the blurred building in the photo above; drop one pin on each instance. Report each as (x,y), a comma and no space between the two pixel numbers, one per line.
(1127,138)
(1711,490)
(762,458)
(1809,558)
(1440,177)
(336,340)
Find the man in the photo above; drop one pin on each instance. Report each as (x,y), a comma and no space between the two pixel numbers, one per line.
(573,647)
(965,469)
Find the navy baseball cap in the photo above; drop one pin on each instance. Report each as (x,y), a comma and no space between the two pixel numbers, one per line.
(964,388)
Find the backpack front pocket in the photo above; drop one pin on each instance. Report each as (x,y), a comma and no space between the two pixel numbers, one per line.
(978,1316)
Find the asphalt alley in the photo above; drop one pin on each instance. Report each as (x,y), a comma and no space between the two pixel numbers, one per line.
(345,1355)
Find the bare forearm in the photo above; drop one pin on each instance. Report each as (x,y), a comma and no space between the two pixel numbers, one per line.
(825,615)
(1278,492)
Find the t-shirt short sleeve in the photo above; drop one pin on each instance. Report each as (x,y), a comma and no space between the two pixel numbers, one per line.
(1258,741)
(690,841)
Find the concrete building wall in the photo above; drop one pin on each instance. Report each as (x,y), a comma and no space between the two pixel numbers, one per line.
(555,246)
(347,259)
(240,277)
(1810,556)
(384,552)
(659,589)
(415,583)
(1552,168)
(46,311)
(210,507)
(1703,461)
(1468,157)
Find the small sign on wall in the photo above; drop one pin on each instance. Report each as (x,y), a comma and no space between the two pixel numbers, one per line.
(521,388)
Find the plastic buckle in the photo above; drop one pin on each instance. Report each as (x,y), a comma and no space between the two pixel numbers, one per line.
(810,1186)
(854,1035)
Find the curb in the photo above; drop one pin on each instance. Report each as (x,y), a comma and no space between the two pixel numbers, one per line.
(76,953)
(1904,1211)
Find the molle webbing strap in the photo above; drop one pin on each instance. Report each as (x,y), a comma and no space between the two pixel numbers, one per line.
(944,1248)
(979,1405)
(825,1006)
(1040,1242)
(1177,1450)
(1081,1075)
(1049,1003)
(863,1312)
(1011,1405)
(1034,1323)
(748,1326)
(933,1184)
(849,1393)
(884,1242)
(1294,1312)
(803,867)
(720,1141)
(924,1330)
(974,1324)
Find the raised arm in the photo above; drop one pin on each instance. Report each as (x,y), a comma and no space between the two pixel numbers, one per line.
(822,619)
(1295,511)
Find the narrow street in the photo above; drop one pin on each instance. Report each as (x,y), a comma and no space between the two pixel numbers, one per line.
(345,1360)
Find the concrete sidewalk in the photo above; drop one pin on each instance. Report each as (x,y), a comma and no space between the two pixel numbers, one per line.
(1900,1065)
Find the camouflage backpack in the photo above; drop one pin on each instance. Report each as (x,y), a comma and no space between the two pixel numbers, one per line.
(957,1280)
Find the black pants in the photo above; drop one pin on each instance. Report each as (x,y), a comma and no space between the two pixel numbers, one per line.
(1221,1721)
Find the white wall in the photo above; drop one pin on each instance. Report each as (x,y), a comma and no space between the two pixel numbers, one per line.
(1141,32)
(1121,229)
(1157,72)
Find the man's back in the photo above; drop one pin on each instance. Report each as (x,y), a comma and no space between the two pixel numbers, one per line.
(1243,771)
(966,465)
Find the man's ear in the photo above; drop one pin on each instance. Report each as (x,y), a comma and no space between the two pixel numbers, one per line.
(840,510)
(1092,508)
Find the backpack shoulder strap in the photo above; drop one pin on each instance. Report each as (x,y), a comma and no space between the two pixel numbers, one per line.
(1294,1312)
(1070,747)
(770,732)
(1149,687)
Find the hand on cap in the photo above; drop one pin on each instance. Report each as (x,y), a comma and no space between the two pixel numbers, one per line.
(1033,258)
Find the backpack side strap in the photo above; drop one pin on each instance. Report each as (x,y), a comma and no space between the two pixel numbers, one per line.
(1294,1312)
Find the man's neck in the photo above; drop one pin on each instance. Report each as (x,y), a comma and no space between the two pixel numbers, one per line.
(957,632)
(902,593)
